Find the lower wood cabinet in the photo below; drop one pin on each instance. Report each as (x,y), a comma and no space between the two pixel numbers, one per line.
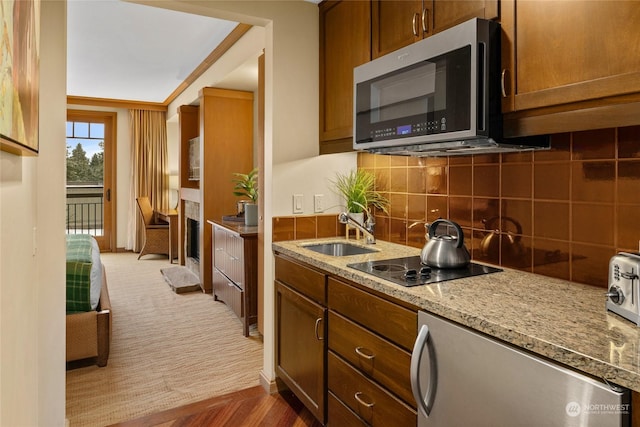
(300,332)
(343,351)
(300,347)
(370,342)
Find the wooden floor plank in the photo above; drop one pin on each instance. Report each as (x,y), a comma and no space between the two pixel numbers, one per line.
(250,407)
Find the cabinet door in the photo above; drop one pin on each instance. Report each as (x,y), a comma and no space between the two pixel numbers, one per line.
(345,42)
(396,24)
(301,348)
(447,13)
(569,51)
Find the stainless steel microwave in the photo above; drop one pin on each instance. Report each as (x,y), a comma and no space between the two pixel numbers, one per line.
(439,96)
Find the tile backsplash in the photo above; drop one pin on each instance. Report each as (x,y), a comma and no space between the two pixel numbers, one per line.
(561,213)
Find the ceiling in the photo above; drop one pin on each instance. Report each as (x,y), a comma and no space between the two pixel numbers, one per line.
(127,51)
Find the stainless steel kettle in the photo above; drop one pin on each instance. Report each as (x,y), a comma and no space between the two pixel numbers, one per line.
(445,250)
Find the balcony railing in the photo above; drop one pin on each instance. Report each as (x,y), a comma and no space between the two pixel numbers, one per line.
(85,209)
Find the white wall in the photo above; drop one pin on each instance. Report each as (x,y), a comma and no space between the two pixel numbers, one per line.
(32,195)
(32,291)
(291,148)
(310,176)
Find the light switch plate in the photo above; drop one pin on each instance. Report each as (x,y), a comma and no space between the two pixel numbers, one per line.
(318,203)
(298,203)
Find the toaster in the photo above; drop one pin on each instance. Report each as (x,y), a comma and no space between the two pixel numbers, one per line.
(623,290)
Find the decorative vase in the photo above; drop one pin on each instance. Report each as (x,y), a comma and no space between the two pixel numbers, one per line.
(357,217)
(250,214)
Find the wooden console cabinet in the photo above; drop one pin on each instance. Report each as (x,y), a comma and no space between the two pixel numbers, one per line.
(235,269)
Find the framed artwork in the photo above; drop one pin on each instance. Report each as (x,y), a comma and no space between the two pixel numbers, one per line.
(19,76)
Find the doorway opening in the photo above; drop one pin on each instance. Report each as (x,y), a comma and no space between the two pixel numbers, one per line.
(90,204)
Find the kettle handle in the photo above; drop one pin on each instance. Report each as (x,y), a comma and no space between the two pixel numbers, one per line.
(434,226)
(489,224)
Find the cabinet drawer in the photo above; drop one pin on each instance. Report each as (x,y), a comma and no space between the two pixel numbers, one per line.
(381,360)
(303,279)
(225,291)
(371,402)
(396,323)
(339,415)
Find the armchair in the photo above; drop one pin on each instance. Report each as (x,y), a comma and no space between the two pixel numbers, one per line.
(156,234)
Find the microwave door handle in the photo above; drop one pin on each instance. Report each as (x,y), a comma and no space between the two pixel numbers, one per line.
(424,401)
(483,76)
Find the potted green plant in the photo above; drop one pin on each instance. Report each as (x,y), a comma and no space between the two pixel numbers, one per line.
(358,189)
(246,185)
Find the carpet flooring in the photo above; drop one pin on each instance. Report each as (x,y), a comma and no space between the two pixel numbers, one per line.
(167,349)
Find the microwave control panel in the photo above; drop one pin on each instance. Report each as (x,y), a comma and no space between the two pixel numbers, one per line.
(420,128)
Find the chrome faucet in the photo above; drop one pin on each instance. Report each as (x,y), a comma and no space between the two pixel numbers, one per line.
(367,229)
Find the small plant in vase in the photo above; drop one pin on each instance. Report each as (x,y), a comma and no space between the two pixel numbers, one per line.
(358,189)
(246,185)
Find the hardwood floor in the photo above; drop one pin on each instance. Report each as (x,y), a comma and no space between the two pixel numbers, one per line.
(250,407)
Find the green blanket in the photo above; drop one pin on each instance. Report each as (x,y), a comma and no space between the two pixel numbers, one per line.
(78,272)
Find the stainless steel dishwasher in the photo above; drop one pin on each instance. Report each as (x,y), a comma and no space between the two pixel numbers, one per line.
(462,378)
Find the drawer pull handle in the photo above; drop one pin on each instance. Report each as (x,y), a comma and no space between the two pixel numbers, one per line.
(318,337)
(363,352)
(361,401)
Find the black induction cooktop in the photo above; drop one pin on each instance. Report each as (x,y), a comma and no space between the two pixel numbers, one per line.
(409,271)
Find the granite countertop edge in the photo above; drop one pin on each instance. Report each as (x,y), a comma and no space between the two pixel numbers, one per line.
(563,321)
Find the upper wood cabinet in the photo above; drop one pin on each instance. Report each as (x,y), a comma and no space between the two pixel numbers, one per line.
(447,13)
(345,42)
(569,51)
(398,23)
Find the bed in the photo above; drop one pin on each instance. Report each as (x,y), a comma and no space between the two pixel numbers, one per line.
(89,313)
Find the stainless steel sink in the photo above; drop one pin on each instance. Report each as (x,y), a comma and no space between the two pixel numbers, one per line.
(339,249)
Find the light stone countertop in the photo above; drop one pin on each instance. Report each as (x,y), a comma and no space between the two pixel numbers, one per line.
(564,321)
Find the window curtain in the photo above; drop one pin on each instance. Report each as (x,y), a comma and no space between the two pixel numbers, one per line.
(149,174)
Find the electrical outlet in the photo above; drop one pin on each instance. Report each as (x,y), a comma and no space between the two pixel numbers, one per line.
(298,203)
(318,203)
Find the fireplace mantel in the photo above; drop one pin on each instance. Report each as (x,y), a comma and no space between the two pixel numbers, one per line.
(191,194)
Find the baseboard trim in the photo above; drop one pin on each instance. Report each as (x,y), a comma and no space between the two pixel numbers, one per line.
(270,386)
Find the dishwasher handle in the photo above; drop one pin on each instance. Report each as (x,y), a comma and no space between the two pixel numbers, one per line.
(423,400)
